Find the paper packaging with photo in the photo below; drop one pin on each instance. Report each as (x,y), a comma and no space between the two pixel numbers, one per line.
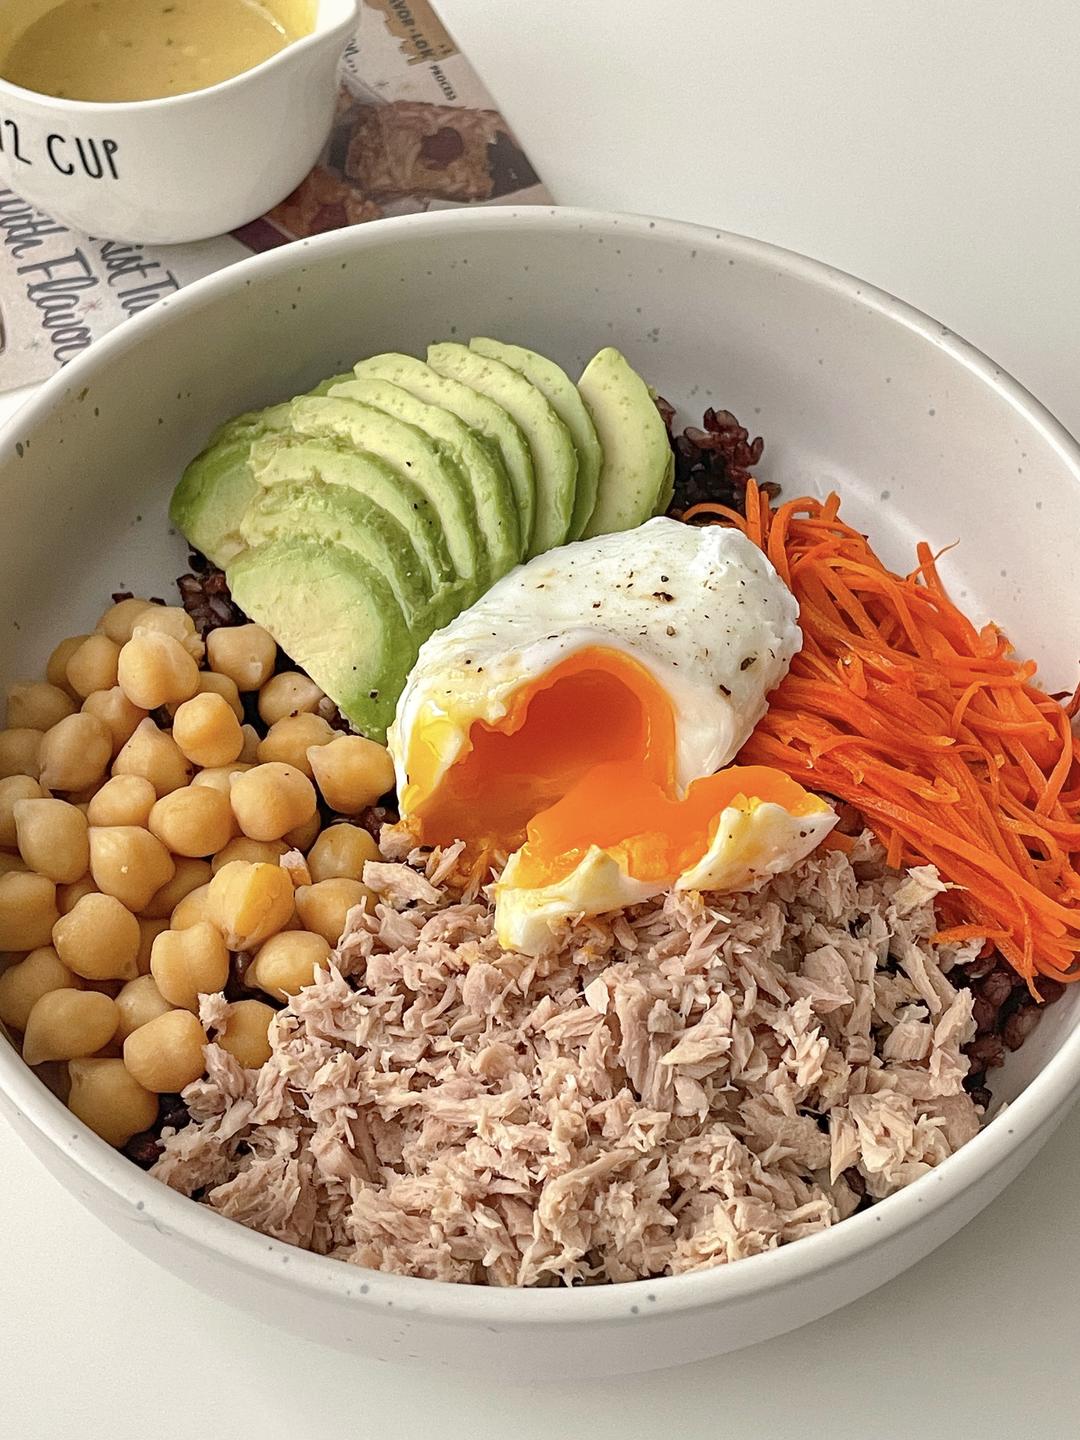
(415,130)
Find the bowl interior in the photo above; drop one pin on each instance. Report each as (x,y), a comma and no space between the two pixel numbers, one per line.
(921,437)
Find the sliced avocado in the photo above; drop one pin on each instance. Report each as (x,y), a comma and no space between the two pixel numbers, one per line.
(325,386)
(414,456)
(488,419)
(295,460)
(336,514)
(553,454)
(562,395)
(638,464)
(209,501)
(495,509)
(335,615)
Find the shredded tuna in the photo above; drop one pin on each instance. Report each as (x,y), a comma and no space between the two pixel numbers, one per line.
(694,1080)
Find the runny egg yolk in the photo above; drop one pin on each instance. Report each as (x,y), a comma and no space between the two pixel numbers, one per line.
(652,835)
(584,757)
(597,707)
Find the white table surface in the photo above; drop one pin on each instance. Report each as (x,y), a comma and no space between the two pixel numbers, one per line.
(932,148)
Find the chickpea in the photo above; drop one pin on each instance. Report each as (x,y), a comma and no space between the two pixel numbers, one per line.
(174,621)
(129,863)
(249,755)
(219,777)
(249,903)
(166,1054)
(123,800)
(155,756)
(28,910)
(302,837)
(56,669)
(244,1032)
(155,669)
(189,963)
(93,665)
(116,712)
(119,620)
(11,864)
(271,800)
(98,939)
(13,789)
(352,772)
(37,706)
(289,693)
(324,907)
(107,1098)
(266,852)
(210,683)
(190,875)
(290,739)
(341,850)
(193,909)
(75,753)
(139,1002)
(287,962)
(196,820)
(52,838)
(207,731)
(23,985)
(246,653)
(67,1024)
(20,752)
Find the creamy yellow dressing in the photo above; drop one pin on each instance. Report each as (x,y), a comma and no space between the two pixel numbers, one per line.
(114,50)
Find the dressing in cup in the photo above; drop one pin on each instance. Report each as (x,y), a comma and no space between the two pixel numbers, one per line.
(166,121)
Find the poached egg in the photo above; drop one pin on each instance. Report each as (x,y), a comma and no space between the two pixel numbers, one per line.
(575,717)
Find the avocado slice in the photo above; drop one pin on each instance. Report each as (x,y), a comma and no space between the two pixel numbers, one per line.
(638,466)
(562,395)
(494,500)
(325,386)
(553,454)
(335,615)
(482,415)
(294,461)
(209,501)
(415,456)
(214,490)
(339,515)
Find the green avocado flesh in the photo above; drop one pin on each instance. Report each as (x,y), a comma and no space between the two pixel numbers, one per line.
(348,518)
(562,395)
(638,469)
(554,458)
(494,500)
(489,420)
(355,520)
(209,502)
(420,458)
(337,618)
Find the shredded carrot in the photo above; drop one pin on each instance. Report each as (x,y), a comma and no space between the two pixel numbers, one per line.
(930,727)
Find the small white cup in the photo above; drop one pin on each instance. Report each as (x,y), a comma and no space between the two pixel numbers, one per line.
(186,166)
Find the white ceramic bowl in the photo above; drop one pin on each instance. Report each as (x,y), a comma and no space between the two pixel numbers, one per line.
(184,167)
(922,435)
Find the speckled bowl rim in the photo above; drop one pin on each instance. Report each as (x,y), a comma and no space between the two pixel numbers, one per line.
(1036,1110)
